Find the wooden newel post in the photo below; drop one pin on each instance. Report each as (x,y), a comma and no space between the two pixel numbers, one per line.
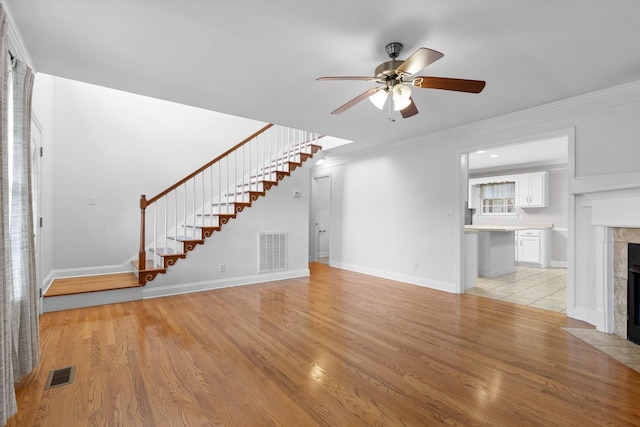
(142,255)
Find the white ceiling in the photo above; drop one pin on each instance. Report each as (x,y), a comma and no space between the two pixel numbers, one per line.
(260,59)
(547,151)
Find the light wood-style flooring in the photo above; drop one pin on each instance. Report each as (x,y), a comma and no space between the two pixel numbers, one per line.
(74,285)
(336,349)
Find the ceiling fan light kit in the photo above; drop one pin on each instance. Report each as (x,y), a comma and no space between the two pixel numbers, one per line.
(397,77)
(401,97)
(379,98)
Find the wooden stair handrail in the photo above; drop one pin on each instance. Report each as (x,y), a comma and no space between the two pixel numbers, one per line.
(196,172)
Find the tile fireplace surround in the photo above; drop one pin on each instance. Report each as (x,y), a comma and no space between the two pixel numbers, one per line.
(621,239)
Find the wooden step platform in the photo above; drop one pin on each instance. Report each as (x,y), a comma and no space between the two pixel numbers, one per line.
(79,285)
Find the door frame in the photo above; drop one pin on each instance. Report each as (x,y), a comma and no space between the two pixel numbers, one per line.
(462,190)
(37,135)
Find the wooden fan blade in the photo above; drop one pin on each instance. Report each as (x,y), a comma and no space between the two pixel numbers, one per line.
(410,110)
(357,99)
(366,79)
(420,59)
(444,83)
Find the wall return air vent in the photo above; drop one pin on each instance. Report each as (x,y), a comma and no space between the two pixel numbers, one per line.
(272,251)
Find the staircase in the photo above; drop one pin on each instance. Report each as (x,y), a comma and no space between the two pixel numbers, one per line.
(177,220)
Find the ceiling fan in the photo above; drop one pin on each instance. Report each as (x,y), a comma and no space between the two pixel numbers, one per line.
(397,77)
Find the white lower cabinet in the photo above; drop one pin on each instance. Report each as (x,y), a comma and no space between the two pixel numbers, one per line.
(532,247)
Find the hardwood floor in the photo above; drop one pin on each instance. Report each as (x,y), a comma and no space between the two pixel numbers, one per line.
(74,285)
(336,349)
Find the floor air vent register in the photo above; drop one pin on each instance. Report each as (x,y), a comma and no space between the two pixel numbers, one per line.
(60,377)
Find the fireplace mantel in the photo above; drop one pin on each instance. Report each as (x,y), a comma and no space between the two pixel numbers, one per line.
(616,217)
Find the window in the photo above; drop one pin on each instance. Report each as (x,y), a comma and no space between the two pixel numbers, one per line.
(498,198)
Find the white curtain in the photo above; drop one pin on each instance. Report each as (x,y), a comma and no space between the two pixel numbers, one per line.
(19,335)
(7,393)
(502,190)
(25,284)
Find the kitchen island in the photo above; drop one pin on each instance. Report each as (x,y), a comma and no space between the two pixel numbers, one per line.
(496,246)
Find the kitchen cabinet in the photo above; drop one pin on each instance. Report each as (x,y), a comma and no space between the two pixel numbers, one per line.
(532,190)
(532,247)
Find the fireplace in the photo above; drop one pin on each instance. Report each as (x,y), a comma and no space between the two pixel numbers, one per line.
(633,293)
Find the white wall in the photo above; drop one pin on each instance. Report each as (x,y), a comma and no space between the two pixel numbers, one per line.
(390,204)
(116,146)
(388,216)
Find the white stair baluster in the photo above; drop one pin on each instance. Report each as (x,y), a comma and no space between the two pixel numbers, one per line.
(155,233)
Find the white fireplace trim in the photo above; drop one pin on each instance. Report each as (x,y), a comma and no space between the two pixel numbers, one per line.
(609,210)
(604,279)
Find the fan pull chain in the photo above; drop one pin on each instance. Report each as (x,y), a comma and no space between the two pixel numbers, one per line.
(391,119)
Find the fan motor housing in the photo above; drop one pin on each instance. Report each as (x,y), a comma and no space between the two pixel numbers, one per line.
(387,69)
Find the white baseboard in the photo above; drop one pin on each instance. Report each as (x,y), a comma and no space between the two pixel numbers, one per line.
(399,277)
(149,291)
(560,264)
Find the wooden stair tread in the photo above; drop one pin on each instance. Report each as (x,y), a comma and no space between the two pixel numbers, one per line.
(169,252)
(204,227)
(85,284)
(185,239)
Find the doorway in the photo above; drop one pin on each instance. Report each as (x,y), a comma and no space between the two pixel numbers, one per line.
(320,239)
(545,286)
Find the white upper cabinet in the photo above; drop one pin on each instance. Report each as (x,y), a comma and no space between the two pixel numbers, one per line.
(532,190)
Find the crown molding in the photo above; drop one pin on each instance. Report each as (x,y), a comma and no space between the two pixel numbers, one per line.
(16,46)
(627,93)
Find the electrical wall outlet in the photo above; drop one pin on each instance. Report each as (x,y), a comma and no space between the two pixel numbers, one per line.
(221,268)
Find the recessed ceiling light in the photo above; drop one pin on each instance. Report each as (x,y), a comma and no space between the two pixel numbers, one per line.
(480,152)
(494,156)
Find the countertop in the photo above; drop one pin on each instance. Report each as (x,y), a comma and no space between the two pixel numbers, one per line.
(506,227)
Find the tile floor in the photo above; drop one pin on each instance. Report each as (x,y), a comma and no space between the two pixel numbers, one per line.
(544,288)
(622,350)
